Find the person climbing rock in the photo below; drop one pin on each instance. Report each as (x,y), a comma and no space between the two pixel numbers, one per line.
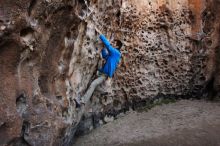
(111,55)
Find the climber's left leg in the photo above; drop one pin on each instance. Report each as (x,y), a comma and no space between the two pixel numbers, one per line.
(92,88)
(90,91)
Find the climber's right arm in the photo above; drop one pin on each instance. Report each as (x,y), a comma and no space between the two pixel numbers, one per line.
(107,44)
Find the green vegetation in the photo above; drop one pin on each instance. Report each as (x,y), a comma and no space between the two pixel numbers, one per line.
(156,102)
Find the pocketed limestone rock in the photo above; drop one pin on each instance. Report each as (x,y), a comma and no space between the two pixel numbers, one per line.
(48,57)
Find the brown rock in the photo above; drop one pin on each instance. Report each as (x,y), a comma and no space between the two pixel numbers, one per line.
(48,57)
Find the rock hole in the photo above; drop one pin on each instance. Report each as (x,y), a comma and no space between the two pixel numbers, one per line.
(68,34)
(118,14)
(63,8)
(48,24)
(150,28)
(140,82)
(81,1)
(164,26)
(116,103)
(202,78)
(42,82)
(26,31)
(59,97)
(90,51)
(209,43)
(32,4)
(165,62)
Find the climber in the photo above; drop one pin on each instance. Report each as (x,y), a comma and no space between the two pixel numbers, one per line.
(111,55)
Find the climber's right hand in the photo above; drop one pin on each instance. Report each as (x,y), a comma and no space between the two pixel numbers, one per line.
(97,30)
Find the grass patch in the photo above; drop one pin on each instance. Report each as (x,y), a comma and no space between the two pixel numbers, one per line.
(156,102)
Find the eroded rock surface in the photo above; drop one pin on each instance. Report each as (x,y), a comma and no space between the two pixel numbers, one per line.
(48,57)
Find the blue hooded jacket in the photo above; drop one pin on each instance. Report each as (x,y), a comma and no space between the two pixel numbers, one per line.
(112,57)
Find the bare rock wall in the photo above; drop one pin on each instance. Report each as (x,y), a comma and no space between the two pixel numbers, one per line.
(48,57)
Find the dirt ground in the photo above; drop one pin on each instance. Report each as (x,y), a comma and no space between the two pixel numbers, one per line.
(184,123)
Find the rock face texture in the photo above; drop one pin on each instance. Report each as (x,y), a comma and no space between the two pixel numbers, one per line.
(48,57)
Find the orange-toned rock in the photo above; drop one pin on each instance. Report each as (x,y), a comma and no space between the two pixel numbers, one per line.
(48,57)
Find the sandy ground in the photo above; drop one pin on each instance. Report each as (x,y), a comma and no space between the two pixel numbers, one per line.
(184,123)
